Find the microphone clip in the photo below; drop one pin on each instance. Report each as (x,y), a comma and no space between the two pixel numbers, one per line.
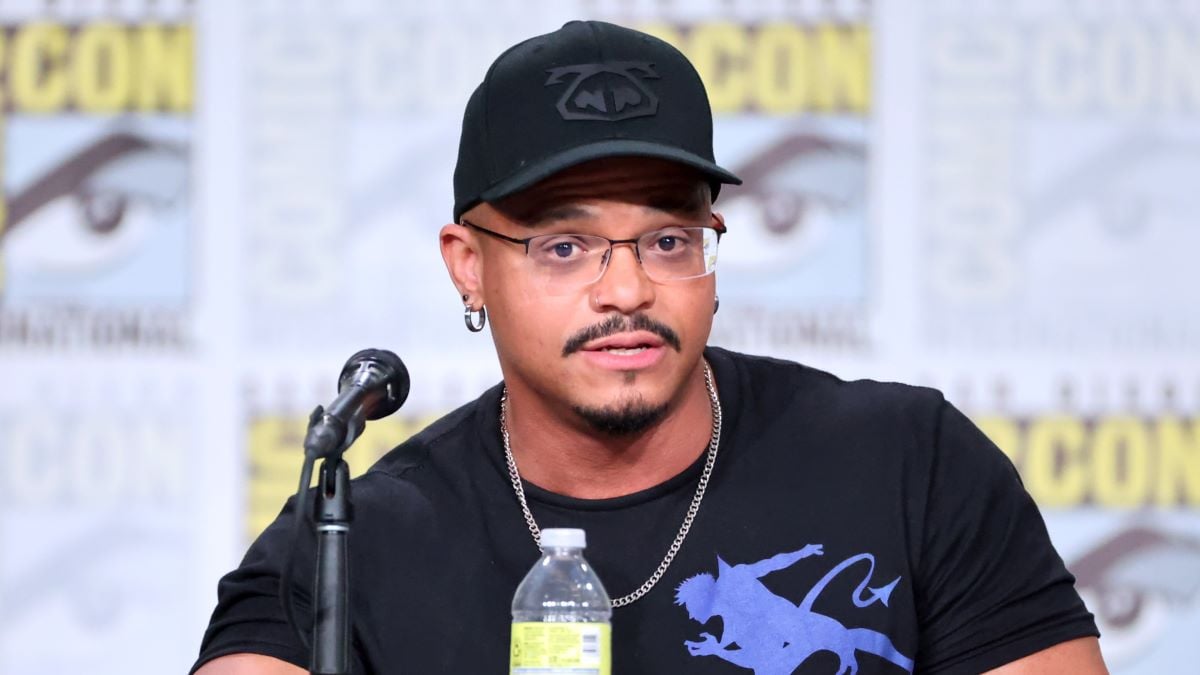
(328,436)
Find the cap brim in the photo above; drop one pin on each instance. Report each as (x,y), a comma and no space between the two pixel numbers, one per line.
(566,159)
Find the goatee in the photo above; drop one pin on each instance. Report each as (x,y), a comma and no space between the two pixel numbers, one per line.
(627,419)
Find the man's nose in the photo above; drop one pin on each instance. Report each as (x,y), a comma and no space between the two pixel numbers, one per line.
(623,286)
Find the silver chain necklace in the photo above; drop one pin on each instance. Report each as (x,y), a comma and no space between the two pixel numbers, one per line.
(713,442)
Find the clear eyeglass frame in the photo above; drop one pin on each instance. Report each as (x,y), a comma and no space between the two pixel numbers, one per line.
(565,260)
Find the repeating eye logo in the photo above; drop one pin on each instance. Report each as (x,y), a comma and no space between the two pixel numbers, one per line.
(93,209)
(96,596)
(1122,188)
(605,92)
(1121,218)
(1133,582)
(801,196)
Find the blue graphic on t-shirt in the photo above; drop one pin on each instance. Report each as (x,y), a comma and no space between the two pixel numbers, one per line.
(767,633)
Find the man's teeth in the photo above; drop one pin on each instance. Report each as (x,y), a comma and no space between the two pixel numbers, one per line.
(625,350)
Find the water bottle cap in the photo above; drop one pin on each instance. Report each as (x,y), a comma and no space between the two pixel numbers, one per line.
(564,538)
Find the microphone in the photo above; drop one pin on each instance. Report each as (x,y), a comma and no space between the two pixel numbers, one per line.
(373,384)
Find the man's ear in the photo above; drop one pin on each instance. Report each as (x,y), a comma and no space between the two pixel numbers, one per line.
(460,251)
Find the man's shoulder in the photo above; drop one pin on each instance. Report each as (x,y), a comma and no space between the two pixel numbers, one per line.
(452,432)
(772,381)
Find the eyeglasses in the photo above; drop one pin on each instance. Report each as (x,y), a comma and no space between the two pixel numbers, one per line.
(572,260)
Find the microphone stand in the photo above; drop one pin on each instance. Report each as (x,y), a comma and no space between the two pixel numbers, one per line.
(373,384)
(332,514)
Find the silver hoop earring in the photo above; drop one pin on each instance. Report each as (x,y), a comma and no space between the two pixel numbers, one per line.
(716,304)
(475,319)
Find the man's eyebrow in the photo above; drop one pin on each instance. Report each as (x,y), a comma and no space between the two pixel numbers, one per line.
(556,214)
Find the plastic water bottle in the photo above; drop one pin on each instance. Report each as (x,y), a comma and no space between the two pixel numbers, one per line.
(561,613)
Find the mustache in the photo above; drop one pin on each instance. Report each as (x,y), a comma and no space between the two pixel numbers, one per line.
(619,323)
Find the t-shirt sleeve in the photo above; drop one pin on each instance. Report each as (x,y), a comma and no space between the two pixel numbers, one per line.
(992,588)
(249,617)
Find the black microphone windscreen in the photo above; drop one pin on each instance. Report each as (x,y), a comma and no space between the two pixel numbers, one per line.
(395,378)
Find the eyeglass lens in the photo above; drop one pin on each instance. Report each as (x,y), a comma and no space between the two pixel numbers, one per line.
(666,255)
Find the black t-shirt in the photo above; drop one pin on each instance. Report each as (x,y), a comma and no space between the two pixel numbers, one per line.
(845,522)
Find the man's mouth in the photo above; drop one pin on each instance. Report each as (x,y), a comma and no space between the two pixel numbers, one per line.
(624,343)
(623,351)
(618,334)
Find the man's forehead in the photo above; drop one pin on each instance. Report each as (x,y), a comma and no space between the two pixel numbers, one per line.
(655,184)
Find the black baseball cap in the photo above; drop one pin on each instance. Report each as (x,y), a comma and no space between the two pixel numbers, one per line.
(588,90)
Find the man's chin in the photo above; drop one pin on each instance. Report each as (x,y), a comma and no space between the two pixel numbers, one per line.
(622,419)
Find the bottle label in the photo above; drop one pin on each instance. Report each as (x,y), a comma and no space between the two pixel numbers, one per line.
(560,649)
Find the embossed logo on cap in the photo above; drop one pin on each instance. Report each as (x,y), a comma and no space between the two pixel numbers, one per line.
(607,92)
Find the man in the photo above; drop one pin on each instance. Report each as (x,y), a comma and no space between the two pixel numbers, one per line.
(744,513)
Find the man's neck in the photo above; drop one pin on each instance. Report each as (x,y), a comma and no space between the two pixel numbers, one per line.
(558,452)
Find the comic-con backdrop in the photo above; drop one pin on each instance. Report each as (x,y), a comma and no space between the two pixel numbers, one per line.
(207,206)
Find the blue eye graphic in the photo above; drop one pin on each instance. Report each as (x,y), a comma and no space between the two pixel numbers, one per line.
(94,208)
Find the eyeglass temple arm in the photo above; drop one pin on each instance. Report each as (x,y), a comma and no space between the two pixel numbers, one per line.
(503,237)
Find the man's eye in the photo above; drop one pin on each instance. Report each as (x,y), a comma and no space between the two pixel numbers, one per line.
(561,248)
(673,240)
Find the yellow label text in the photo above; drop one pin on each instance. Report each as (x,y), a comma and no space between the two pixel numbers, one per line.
(1119,462)
(96,68)
(778,68)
